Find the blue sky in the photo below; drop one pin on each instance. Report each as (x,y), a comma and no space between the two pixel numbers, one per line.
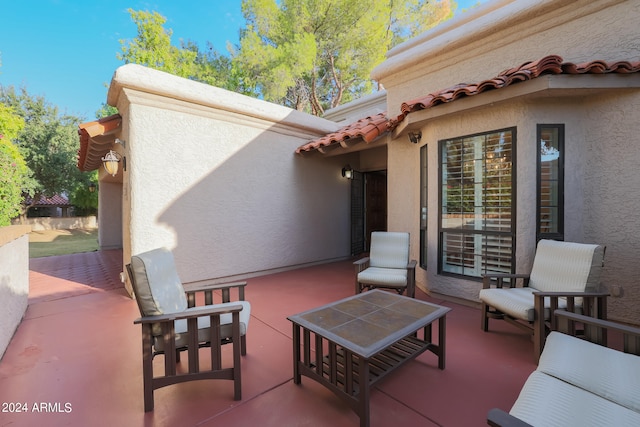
(65,50)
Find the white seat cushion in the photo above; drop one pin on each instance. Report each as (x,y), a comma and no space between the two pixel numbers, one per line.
(609,373)
(516,302)
(546,401)
(383,276)
(204,323)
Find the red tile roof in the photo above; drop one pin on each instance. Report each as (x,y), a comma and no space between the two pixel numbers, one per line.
(372,127)
(56,200)
(529,70)
(368,129)
(89,155)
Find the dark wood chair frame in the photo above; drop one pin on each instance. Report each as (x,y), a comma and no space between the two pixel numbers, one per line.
(589,328)
(363,263)
(594,304)
(172,353)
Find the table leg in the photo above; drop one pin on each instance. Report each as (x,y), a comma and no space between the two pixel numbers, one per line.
(296,354)
(364,392)
(441,341)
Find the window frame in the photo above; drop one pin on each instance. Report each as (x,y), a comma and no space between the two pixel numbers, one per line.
(559,234)
(424,204)
(512,233)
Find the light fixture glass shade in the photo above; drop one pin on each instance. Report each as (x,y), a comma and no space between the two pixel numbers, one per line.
(110,162)
(347,172)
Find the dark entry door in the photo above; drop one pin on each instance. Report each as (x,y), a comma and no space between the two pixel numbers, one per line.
(375,188)
(368,208)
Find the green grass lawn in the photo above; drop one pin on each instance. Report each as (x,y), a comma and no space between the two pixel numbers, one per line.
(61,242)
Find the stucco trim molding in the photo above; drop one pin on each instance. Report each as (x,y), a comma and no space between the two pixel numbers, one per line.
(177,91)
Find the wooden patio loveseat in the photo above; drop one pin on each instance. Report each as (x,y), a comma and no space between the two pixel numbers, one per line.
(580,381)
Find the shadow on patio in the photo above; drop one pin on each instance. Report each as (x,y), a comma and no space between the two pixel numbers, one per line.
(77,352)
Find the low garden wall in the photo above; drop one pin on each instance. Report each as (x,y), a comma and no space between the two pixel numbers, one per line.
(14,280)
(62,223)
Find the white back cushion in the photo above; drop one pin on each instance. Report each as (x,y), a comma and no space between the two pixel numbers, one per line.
(389,249)
(566,266)
(157,285)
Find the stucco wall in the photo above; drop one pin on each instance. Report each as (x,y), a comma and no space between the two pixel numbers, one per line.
(602,187)
(110,231)
(220,184)
(14,280)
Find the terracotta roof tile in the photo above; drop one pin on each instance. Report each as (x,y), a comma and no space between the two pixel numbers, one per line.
(368,129)
(56,200)
(89,154)
(551,64)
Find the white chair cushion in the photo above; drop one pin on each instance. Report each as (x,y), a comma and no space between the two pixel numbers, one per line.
(609,373)
(516,302)
(383,276)
(546,401)
(389,249)
(566,267)
(204,323)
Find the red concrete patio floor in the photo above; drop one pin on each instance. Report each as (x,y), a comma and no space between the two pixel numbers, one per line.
(77,352)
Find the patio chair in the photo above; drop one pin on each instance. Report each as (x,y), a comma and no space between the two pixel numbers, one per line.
(564,275)
(387,265)
(171,323)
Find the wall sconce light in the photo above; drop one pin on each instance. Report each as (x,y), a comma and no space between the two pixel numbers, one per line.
(110,162)
(347,172)
(92,188)
(415,137)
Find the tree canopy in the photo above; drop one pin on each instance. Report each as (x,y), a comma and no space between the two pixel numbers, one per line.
(48,142)
(310,55)
(14,173)
(317,54)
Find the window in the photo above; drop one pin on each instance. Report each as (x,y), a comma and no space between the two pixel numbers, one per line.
(477,208)
(550,207)
(423,206)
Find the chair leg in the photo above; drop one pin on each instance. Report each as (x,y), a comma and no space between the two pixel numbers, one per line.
(147,367)
(243,345)
(485,317)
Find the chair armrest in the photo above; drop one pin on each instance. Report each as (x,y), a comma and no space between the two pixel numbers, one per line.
(499,418)
(499,279)
(361,264)
(209,310)
(571,294)
(412,264)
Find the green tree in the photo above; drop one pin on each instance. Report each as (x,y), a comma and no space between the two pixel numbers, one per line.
(48,143)
(317,54)
(14,173)
(82,198)
(152,47)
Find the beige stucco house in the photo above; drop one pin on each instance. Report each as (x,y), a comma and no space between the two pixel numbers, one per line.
(515,121)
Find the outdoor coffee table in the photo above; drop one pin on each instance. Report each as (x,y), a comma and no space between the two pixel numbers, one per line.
(360,339)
